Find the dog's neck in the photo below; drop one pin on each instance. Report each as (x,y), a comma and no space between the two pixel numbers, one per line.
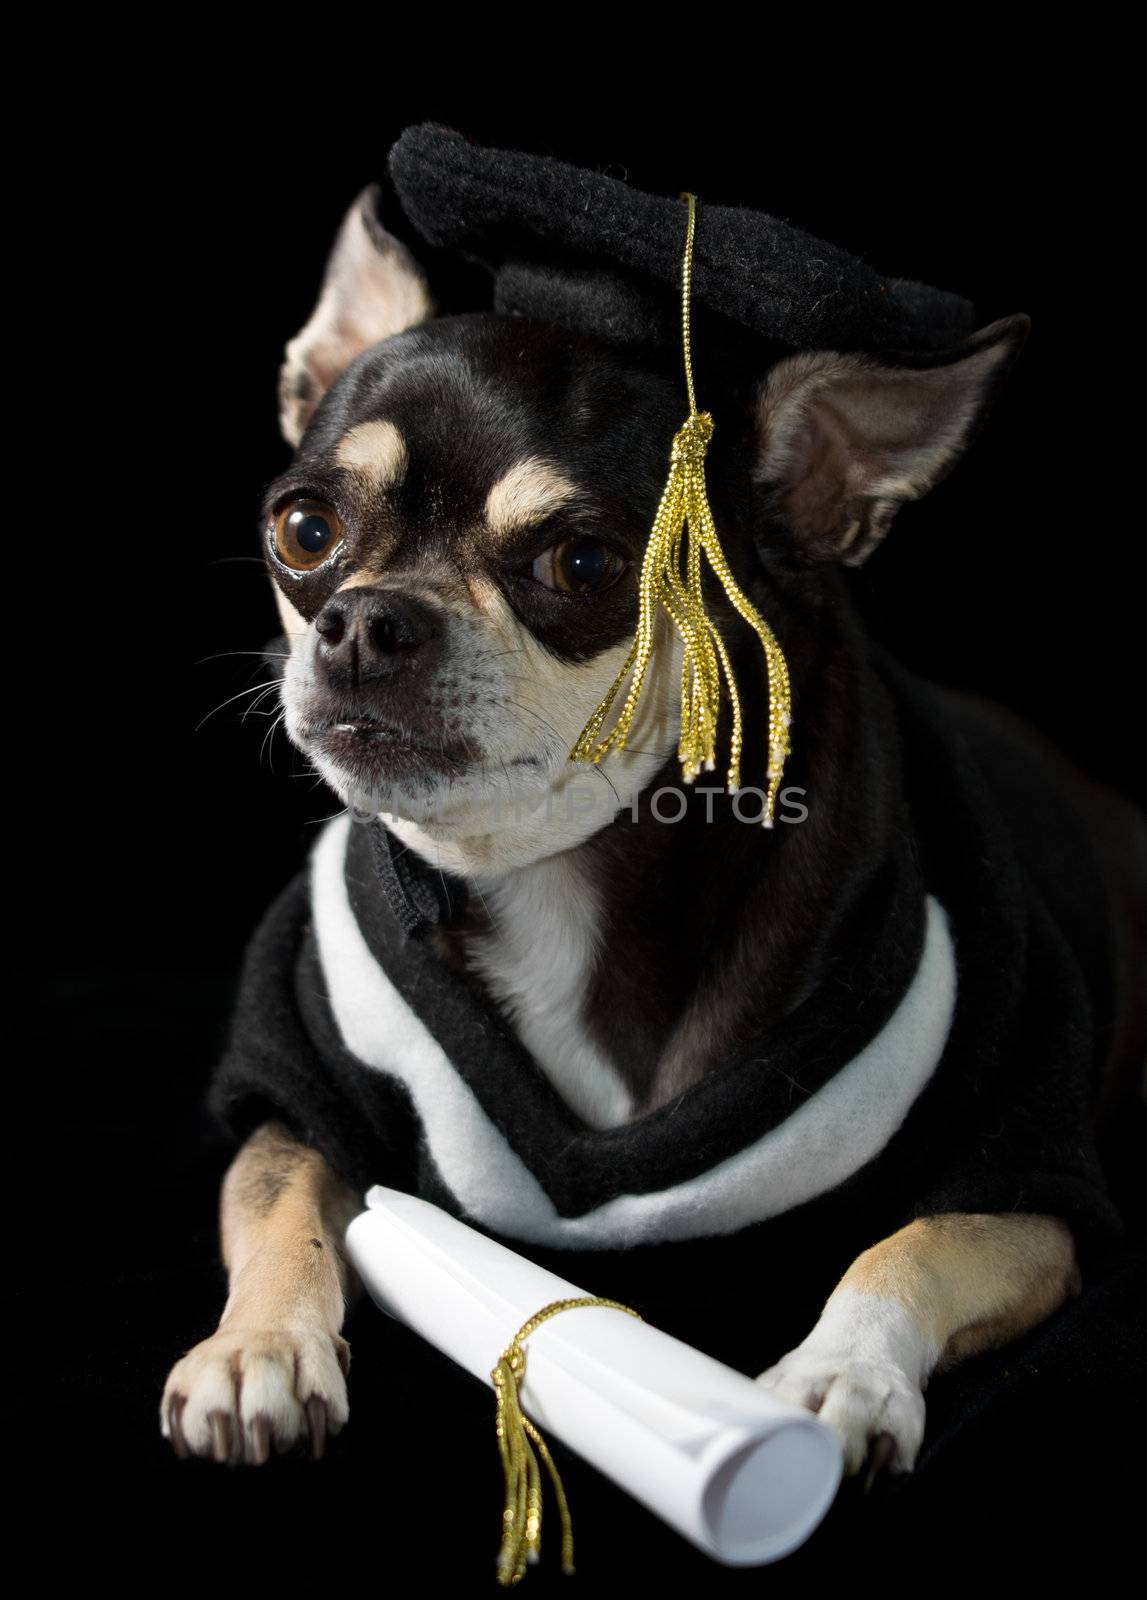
(635,959)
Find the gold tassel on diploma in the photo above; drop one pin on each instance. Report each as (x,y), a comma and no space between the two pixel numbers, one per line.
(522,1515)
(671,572)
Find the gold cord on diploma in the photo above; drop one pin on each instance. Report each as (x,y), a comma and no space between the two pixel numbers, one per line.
(683,531)
(522,1514)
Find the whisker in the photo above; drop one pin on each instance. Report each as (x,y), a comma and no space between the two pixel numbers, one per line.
(263,655)
(253,708)
(269,736)
(256,688)
(316,822)
(559,738)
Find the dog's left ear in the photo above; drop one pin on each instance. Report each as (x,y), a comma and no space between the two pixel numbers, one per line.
(844,440)
(372,288)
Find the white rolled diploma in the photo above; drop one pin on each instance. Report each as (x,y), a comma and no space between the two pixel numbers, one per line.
(743,1476)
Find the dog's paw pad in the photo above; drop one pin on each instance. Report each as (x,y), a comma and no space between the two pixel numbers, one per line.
(873,1407)
(244,1394)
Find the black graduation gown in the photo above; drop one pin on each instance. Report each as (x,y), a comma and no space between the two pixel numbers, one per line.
(985,950)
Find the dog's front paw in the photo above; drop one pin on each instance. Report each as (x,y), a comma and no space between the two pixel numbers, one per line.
(247,1391)
(872,1405)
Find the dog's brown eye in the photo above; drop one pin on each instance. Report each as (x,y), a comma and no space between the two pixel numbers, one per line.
(307,533)
(579,566)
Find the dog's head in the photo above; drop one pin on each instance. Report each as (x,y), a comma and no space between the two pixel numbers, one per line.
(457,542)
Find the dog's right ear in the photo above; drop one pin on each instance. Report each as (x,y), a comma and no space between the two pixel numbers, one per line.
(372,288)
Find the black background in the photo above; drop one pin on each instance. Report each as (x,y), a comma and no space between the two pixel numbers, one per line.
(199,231)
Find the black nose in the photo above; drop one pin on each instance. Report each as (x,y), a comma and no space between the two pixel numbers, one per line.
(369,633)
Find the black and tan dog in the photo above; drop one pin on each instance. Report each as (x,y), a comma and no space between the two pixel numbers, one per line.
(455,549)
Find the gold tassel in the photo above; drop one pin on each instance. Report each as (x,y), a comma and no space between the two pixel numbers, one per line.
(522,1513)
(671,574)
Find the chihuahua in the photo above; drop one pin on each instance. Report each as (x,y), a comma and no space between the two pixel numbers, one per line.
(455,550)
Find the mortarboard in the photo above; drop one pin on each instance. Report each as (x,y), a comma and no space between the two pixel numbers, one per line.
(585,251)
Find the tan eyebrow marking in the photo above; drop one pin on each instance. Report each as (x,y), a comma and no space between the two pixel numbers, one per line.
(375,450)
(527,493)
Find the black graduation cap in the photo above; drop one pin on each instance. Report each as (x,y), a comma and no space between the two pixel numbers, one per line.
(573,247)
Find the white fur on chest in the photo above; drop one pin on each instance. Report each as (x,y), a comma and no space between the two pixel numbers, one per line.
(538,960)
